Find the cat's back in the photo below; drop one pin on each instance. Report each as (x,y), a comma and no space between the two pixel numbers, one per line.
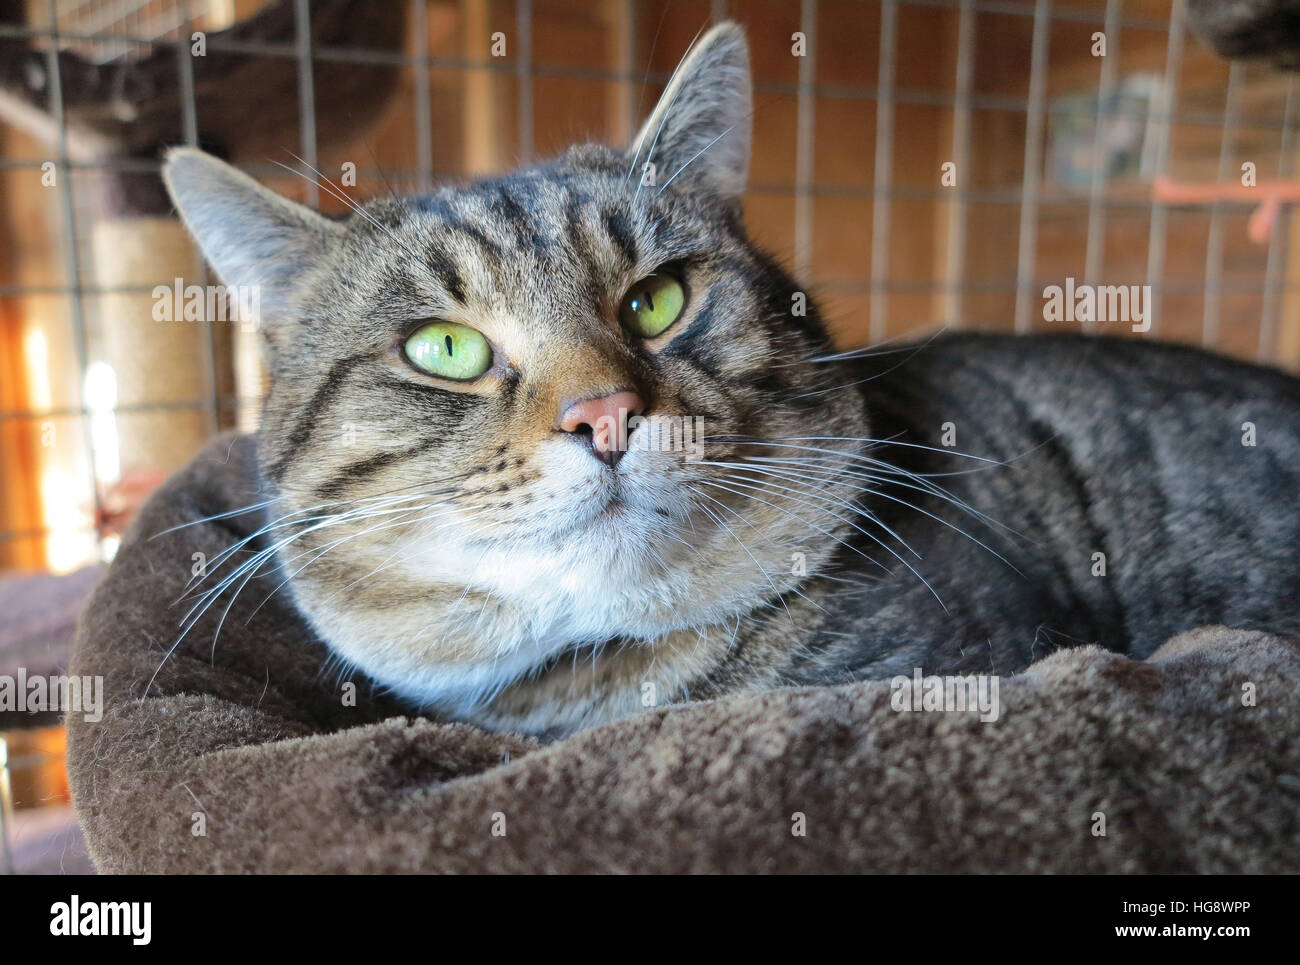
(1035,364)
(1129,390)
(1179,466)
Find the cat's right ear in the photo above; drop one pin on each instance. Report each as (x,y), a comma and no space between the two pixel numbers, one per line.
(248,233)
(698,136)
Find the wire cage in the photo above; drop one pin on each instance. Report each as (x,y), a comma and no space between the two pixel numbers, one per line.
(918,163)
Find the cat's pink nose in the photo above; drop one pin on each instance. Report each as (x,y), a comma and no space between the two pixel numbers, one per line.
(602,422)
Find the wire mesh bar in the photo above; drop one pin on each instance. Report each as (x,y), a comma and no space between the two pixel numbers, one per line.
(806,118)
(185,67)
(1178,285)
(990,196)
(72,257)
(43,532)
(1028,257)
(6,811)
(423,106)
(1187,286)
(955,261)
(1063,14)
(883,174)
(1160,211)
(1095,245)
(351,55)
(306,97)
(1214,241)
(524,77)
(126,407)
(1279,238)
(190,131)
(627,60)
(717,10)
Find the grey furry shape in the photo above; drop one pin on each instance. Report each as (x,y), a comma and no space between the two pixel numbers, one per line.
(1136,451)
(1266,29)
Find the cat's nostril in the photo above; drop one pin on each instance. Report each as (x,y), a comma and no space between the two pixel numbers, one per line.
(602,422)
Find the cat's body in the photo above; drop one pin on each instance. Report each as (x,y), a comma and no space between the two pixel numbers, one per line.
(467,537)
(1129,449)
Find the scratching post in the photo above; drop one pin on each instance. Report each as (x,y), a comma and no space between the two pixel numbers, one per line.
(162,367)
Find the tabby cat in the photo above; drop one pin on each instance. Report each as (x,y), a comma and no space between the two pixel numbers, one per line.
(457,513)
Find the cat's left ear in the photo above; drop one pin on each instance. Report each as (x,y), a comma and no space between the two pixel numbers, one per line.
(251,235)
(698,136)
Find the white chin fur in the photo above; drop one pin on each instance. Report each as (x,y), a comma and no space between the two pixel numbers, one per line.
(617,573)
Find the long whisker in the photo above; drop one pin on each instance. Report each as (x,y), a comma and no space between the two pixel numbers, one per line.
(922,480)
(247,571)
(252,571)
(392,559)
(326,522)
(820,501)
(299,516)
(889,549)
(871,378)
(696,155)
(922,483)
(791,476)
(636,153)
(338,194)
(741,543)
(795,516)
(242,510)
(866,352)
(778,440)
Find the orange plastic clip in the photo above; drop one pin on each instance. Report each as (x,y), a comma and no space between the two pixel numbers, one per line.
(1270,197)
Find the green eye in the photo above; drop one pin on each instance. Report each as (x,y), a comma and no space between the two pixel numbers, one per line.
(651,305)
(450,351)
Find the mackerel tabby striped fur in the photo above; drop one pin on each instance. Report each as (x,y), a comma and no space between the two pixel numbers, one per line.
(455,543)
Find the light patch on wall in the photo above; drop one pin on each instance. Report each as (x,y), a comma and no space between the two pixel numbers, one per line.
(100,393)
(69,540)
(36,353)
(64,491)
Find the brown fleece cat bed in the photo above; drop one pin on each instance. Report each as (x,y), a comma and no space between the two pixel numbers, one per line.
(245,755)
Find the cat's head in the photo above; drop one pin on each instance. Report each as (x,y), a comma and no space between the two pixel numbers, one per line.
(450,375)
